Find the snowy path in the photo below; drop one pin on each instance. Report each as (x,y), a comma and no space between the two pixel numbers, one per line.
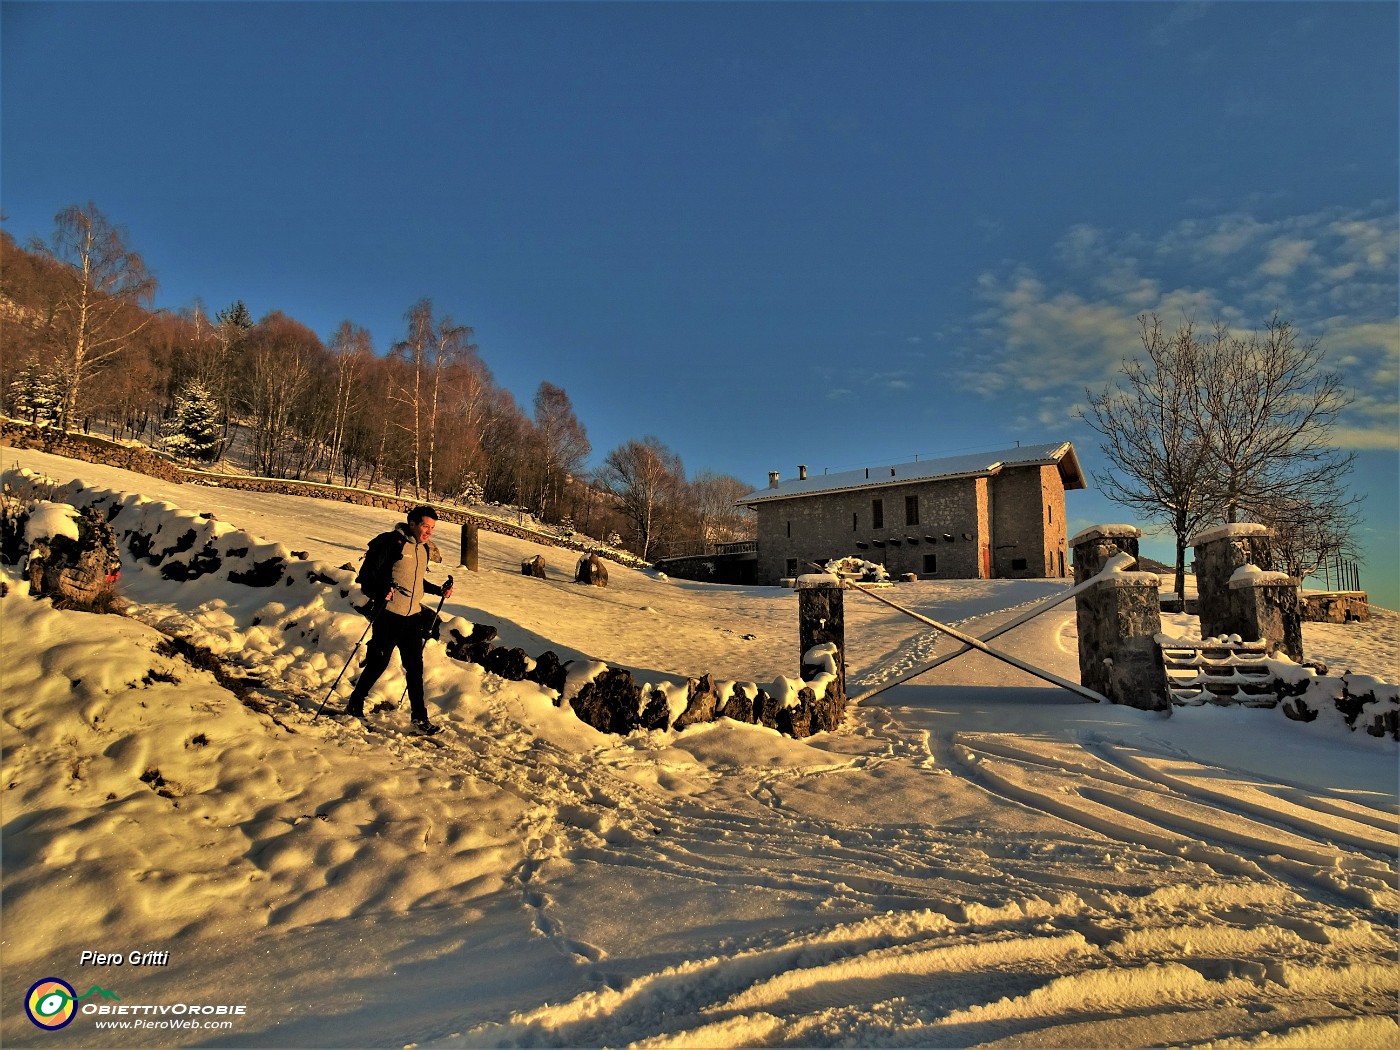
(975,860)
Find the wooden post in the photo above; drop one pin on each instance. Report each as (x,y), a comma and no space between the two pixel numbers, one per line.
(469,545)
(821,618)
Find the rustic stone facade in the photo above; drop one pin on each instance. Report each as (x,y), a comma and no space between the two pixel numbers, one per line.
(1336,607)
(1028,524)
(1002,520)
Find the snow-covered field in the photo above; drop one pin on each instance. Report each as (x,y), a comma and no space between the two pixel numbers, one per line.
(976,860)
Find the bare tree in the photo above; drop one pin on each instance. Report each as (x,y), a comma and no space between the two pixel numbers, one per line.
(350,348)
(1267,405)
(429,353)
(96,311)
(282,359)
(645,476)
(414,351)
(1311,533)
(1161,464)
(1210,429)
(561,446)
(720,519)
(452,344)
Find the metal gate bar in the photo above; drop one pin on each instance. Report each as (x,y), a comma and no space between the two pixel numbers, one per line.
(981,646)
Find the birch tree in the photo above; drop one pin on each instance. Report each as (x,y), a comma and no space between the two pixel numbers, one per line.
(96,309)
(452,344)
(350,349)
(413,352)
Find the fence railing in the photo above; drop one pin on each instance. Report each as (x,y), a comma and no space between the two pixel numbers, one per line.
(740,547)
(1340,574)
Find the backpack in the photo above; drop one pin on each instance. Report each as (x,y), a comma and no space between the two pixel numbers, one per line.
(376,573)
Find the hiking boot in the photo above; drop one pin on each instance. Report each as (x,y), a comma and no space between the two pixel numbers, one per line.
(355,706)
(423,727)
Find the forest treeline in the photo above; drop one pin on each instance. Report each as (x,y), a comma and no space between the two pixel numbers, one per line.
(85,350)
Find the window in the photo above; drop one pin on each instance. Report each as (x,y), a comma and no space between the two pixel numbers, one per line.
(789,530)
(792,566)
(1018,564)
(911,510)
(930,563)
(877,514)
(855,522)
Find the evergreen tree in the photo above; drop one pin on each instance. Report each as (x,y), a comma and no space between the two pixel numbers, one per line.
(194,431)
(36,395)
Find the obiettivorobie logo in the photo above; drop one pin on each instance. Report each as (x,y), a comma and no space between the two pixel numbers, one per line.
(52,1003)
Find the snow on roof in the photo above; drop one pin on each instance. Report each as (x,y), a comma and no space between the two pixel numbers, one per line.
(975,464)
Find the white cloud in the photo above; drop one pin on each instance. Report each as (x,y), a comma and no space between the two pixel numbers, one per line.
(1284,255)
(1367,439)
(1053,333)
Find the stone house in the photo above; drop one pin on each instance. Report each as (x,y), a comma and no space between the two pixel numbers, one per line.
(982,516)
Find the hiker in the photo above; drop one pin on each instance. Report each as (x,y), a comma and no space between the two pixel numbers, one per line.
(394,567)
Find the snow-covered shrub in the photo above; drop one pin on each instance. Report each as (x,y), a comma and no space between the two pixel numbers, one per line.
(472,491)
(858,569)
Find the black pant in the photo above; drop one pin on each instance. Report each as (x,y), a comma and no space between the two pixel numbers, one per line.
(392,631)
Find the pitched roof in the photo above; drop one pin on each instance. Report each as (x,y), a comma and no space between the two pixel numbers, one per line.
(978,464)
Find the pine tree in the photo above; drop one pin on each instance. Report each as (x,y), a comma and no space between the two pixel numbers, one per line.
(194,430)
(36,395)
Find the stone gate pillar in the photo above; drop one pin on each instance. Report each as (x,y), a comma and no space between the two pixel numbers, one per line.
(821,617)
(1119,618)
(1096,544)
(1219,552)
(1238,593)
(1265,606)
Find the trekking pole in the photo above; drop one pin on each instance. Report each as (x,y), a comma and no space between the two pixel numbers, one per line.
(447,586)
(348,661)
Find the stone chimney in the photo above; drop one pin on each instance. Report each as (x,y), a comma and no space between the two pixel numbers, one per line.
(772,479)
(802,472)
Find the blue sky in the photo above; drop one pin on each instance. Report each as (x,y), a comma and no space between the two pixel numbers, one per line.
(770,234)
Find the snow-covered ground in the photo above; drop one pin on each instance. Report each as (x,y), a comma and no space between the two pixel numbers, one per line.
(975,860)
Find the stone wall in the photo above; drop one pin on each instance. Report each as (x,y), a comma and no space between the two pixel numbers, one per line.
(89,449)
(143,460)
(1028,524)
(1336,607)
(612,701)
(712,568)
